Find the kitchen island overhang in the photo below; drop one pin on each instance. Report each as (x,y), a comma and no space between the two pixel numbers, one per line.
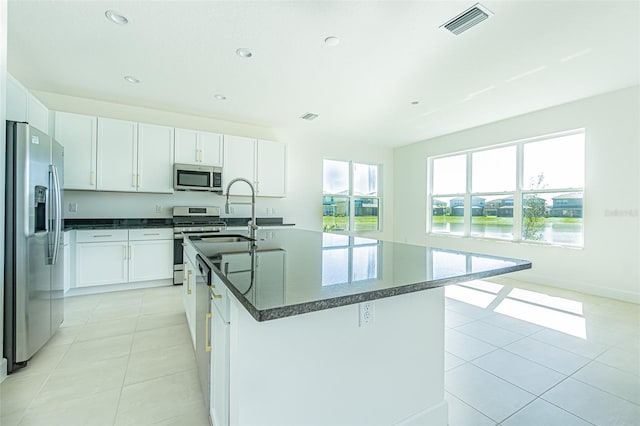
(437,268)
(293,349)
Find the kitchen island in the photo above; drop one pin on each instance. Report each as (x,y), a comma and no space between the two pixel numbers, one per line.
(326,329)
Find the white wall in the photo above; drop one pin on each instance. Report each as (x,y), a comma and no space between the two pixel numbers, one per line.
(302,206)
(3,93)
(609,263)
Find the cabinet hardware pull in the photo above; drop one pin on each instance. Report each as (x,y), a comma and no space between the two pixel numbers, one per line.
(152,233)
(207,343)
(137,181)
(92,178)
(189,281)
(102,235)
(216,296)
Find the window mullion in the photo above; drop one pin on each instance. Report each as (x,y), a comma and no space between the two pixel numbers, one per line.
(468,199)
(517,199)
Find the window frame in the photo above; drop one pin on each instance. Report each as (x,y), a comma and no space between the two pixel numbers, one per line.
(351,196)
(518,193)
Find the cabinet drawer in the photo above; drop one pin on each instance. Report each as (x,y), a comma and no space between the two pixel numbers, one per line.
(151,234)
(102,235)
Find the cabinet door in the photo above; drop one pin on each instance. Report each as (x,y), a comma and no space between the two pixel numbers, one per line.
(219,403)
(210,149)
(17,100)
(186,146)
(117,156)
(101,263)
(77,133)
(239,161)
(271,168)
(150,260)
(155,158)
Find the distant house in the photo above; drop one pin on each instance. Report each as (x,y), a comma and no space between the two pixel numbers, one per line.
(457,206)
(567,205)
(365,207)
(502,207)
(331,207)
(439,208)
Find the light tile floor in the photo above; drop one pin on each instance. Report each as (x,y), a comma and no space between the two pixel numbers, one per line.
(521,354)
(126,359)
(122,358)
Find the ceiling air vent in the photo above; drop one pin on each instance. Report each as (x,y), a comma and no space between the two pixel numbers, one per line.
(309,116)
(467,19)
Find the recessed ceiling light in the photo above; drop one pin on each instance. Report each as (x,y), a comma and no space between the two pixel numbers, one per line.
(243,52)
(131,79)
(332,41)
(115,17)
(415,102)
(220,97)
(309,116)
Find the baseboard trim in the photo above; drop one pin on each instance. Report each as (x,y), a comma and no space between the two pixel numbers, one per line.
(624,296)
(438,415)
(82,291)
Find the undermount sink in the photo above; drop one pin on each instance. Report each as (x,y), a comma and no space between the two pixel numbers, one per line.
(226,239)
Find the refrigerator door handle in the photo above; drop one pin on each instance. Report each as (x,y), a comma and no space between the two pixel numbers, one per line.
(58,214)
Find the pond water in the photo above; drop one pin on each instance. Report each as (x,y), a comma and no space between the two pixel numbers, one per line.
(569,233)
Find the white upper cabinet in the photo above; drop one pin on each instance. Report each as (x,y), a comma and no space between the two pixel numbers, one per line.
(117,155)
(77,133)
(134,157)
(261,162)
(271,164)
(239,161)
(38,114)
(155,158)
(23,106)
(195,147)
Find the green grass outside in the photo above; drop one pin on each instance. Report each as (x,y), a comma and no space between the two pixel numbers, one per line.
(341,223)
(499,221)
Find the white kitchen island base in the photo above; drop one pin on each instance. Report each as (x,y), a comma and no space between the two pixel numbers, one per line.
(323,368)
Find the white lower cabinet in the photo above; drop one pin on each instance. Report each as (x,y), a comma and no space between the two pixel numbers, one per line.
(150,254)
(104,257)
(220,328)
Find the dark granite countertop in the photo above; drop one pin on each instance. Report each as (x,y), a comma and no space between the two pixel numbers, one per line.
(86,224)
(292,271)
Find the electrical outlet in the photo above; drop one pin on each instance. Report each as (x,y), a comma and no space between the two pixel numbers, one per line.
(73,207)
(158,208)
(367,313)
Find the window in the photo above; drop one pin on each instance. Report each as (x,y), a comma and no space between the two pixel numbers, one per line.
(529,190)
(350,199)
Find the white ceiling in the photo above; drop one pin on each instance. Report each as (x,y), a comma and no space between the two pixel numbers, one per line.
(527,56)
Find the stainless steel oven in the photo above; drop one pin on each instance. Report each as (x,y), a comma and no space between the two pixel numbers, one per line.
(196,221)
(189,177)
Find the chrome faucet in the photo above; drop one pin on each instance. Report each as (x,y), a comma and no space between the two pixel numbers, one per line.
(252,223)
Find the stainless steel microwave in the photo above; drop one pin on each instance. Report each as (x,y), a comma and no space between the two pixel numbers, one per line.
(190,177)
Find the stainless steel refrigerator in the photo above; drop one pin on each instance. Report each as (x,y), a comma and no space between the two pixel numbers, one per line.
(34,267)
